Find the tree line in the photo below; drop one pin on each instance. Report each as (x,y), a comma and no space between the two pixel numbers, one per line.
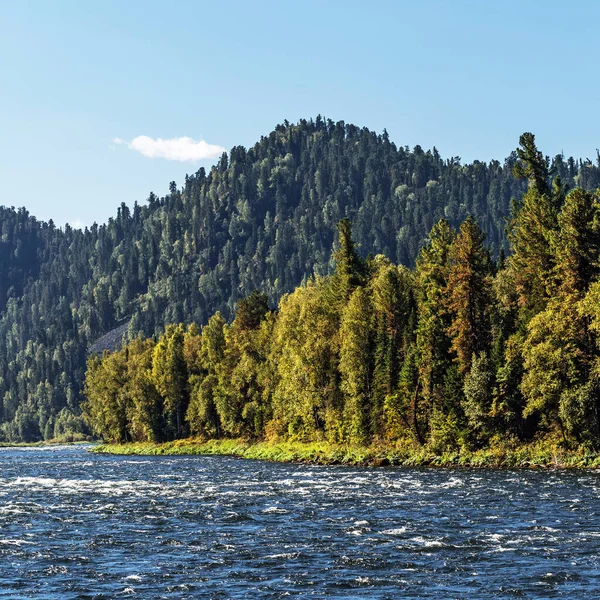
(464,349)
(262,218)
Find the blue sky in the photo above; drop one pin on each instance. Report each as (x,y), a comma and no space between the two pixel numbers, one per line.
(465,76)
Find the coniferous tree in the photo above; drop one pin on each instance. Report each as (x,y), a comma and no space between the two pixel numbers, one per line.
(350,269)
(433,341)
(468,295)
(394,322)
(532,165)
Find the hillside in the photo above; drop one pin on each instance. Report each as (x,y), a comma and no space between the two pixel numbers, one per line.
(460,354)
(263,218)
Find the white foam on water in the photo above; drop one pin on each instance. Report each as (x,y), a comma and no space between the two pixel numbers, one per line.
(275,510)
(17,542)
(12,509)
(426,543)
(57,569)
(395,531)
(84,486)
(284,555)
(31,481)
(452,483)
(499,550)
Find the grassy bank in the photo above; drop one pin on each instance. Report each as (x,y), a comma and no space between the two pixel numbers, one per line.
(527,456)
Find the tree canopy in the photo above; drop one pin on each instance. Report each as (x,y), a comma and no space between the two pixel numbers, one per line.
(266,218)
(445,355)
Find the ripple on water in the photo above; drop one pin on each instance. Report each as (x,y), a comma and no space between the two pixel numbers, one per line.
(73,523)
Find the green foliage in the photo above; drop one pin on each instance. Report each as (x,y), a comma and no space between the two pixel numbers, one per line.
(478,389)
(356,365)
(577,244)
(266,218)
(402,410)
(504,454)
(306,398)
(532,231)
(433,340)
(552,361)
(204,355)
(350,269)
(508,401)
(434,357)
(107,408)
(244,401)
(394,318)
(170,377)
(531,164)
(439,357)
(468,294)
(251,311)
(147,406)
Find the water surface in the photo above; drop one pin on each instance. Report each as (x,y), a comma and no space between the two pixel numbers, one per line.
(78,525)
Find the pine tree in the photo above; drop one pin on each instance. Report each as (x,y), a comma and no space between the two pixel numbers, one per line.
(468,294)
(350,269)
(577,245)
(532,165)
(393,331)
(433,342)
(478,392)
(532,229)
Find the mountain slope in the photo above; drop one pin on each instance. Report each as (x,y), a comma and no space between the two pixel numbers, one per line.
(261,218)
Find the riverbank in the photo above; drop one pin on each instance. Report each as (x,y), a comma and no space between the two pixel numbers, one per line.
(534,456)
(67,440)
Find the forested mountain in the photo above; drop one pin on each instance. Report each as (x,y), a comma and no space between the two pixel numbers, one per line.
(460,353)
(263,218)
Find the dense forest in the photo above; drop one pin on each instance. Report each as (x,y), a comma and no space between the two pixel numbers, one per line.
(462,351)
(263,219)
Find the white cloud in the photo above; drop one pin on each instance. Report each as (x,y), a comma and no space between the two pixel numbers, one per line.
(184,149)
(78,224)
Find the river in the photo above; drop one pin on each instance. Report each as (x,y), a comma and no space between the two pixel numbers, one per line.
(80,525)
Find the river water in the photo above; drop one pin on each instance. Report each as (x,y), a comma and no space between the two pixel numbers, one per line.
(79,525)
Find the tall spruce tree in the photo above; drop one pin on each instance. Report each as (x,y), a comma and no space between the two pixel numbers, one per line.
(350,268)
(468,294)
